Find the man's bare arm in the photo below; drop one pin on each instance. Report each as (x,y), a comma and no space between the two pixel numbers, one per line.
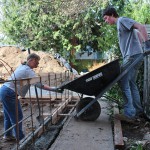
(142,29)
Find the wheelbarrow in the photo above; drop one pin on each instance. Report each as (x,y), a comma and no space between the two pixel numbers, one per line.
(95,84)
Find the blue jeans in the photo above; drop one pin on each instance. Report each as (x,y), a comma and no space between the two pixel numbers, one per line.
(8,98)
(131,96)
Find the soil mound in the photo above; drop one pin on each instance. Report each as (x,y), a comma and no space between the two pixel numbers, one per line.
(11,58)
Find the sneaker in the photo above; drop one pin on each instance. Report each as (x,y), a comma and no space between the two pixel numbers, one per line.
(122,117)
(9,138)
(142,115)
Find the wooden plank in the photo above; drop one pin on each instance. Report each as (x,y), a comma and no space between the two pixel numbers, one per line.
(52,97)
(34,80)
(71,105)
(41,100)
(34,98)
(118,136)
(59,110)
(65,115)
(42,79)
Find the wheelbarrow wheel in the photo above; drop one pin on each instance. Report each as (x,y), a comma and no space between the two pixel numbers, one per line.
(92,113)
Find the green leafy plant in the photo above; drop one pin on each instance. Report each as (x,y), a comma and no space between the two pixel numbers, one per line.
(64,26)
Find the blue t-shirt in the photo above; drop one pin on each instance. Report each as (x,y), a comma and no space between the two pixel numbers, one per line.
(23,71)
(128,39)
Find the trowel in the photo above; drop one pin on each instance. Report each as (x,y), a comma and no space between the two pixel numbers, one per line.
(39,118)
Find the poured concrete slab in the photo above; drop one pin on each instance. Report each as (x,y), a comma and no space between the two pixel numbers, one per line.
(81,135)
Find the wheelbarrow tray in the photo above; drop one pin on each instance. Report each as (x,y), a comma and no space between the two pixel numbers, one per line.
(93,82)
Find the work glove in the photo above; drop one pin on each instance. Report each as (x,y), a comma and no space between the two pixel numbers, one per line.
(57,89)
(146,46)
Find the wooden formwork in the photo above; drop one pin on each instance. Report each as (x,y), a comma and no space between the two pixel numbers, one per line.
(55,101)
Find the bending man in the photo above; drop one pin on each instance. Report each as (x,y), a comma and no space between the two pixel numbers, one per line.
(8,96)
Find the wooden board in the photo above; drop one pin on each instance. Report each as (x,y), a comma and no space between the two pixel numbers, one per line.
(118,136)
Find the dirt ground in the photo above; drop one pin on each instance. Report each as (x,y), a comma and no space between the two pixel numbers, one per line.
(137,135)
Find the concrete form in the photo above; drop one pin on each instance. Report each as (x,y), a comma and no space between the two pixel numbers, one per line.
(81,135)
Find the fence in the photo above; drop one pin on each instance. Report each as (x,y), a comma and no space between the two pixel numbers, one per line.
(146,88)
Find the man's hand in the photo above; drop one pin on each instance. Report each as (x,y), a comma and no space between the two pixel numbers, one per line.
(147,45)
(57,89)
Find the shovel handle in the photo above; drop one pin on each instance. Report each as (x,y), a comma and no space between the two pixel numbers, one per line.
(37,98)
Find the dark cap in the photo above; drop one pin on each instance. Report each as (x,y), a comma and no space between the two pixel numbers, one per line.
(33,56)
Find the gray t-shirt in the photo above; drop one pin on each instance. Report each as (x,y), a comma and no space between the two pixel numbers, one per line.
(23,71)
(128,39)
